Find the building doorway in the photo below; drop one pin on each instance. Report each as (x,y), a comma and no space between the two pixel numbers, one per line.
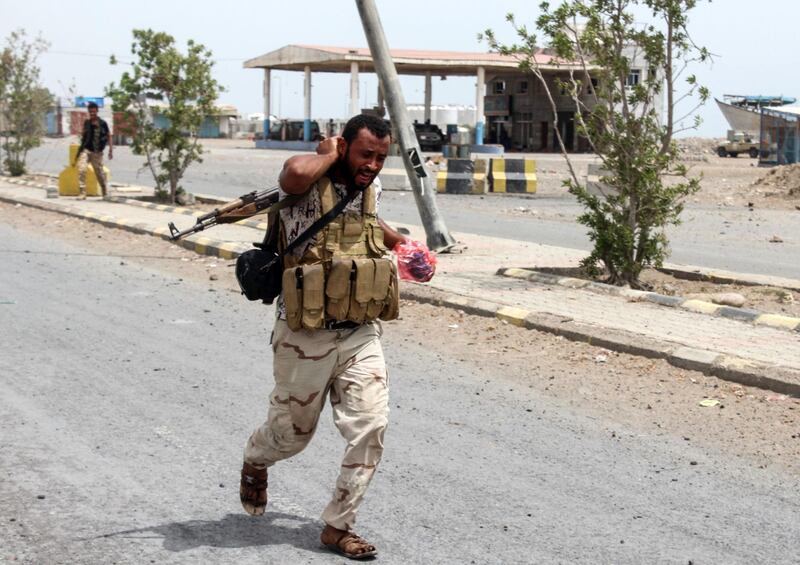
(566,127)
(544,130)
(500,131)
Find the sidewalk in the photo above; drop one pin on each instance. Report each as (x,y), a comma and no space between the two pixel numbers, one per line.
(735,350)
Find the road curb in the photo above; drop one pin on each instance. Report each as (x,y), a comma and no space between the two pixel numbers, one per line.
(727,367)
(698,306)
(727,277)
(121,187)
(198,244)
(179,210)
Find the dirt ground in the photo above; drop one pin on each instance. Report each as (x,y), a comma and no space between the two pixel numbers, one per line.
(725,181)
(649,396)
(736,181)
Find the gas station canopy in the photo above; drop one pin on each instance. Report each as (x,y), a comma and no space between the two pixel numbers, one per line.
(407,61)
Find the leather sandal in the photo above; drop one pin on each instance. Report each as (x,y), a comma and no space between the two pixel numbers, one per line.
(253,489)
(347,543)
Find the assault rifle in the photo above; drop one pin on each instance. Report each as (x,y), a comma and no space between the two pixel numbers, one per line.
(242,208)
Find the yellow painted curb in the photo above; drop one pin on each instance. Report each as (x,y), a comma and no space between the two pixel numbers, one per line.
(201,245)
(778,321)
(227,250)
(514,316)
(516,273)
(700,306)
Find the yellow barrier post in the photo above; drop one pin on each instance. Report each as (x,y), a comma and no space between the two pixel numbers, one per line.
(69,183)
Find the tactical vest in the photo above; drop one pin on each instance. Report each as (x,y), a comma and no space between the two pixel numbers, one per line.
(345,274)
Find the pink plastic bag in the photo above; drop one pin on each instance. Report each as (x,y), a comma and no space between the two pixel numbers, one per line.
(415,261)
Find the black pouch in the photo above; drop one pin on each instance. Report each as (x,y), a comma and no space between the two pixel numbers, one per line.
(259,272)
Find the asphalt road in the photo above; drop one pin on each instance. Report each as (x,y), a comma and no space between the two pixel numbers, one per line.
(126,395)
(722,238)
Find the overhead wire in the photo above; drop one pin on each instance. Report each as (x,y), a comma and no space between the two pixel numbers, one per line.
(125,59)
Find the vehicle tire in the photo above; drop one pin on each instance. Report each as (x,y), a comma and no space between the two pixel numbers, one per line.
(733,154)
(753,153)
(722,152)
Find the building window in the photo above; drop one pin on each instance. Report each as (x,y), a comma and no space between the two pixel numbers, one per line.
(522,87)
(593,84)
(633,77)
(499,87)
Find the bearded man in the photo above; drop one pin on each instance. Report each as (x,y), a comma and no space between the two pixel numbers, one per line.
(326,339)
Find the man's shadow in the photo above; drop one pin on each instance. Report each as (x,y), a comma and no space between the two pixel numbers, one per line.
(234,531)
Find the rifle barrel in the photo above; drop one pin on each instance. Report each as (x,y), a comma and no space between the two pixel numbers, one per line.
(259,200)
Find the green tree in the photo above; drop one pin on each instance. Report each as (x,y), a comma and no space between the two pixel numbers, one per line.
(23,100)
(644,185)
(180,88)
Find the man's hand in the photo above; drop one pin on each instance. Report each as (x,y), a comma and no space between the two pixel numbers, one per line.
(301,171)
(110,153)
(331,145)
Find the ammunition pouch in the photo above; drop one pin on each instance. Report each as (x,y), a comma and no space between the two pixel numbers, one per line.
(354,290)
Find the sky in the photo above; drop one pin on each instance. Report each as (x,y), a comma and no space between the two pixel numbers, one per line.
(752,43)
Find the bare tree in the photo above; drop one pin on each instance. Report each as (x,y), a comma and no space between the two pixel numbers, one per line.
(599,44)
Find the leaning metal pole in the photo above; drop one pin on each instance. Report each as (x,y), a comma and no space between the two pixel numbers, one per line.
(438,238)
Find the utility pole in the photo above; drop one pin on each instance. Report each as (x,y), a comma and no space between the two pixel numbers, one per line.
(438,238)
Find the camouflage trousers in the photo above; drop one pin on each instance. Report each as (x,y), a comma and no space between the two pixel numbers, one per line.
(348,366)
(96,160)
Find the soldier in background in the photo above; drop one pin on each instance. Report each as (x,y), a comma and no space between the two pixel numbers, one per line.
(95,137)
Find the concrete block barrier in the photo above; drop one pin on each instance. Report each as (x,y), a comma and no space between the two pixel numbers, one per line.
(513,175)
(462,176)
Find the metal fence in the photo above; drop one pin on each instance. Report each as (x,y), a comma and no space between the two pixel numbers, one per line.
(780,138)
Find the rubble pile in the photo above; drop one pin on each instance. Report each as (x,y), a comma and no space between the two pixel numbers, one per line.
(785,179)
(697,148)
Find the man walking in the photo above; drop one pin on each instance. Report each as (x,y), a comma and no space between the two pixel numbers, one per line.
(94,139)
(326,340)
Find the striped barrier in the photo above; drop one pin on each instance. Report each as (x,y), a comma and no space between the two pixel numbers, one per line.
(513,175)
(462,176)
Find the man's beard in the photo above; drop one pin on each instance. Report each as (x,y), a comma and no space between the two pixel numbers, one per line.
(351,175)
